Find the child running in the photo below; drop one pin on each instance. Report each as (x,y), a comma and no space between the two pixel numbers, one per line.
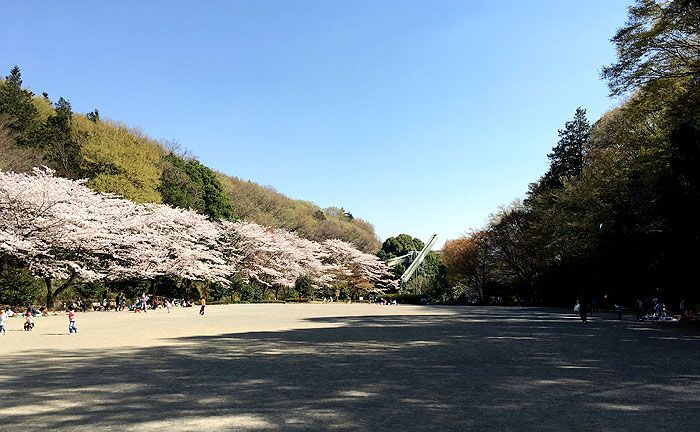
(71,322)
(3,321)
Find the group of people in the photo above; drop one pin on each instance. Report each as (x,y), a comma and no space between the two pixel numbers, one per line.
(656,310)
(647,310)
(28,315)
(144,303)
(383,301)
(141,304)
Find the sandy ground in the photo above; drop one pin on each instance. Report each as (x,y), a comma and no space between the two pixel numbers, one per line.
(348,367)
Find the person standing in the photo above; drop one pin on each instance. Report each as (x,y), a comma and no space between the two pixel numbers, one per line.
(204,303)
(583,310)
(3,321)
(144,300)
(640,309)
(71,322)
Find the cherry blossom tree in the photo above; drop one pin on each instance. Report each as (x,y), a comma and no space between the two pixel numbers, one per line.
(58,227)
(359,268)
(64,231)
(275,257)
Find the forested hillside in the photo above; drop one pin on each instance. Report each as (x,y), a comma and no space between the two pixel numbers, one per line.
(614,215)
(266,206)
(35,131)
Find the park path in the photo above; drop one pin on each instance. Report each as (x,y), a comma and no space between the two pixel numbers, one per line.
(349,367)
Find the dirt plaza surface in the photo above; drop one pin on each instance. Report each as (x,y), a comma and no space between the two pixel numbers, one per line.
(348,367)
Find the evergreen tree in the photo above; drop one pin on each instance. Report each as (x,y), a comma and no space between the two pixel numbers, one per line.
(17,103)
(566,159)
(189,184)
(93,116)
(62,152)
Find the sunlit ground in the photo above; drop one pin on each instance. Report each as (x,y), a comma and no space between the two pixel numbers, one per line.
(348,367)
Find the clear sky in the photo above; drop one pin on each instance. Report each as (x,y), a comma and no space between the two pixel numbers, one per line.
(421,117)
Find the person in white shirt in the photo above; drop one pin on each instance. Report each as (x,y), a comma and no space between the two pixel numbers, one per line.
(3,321)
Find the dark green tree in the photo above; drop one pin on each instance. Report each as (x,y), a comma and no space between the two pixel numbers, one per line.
(399,245)
(304,286)
(566,159)
(61,151)
(189,184)
(430,278)
(93,116)
(176,187)
(17,103)
(18,287)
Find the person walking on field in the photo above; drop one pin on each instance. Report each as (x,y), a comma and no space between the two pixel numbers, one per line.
(583,310)
(71,322)
(204,303)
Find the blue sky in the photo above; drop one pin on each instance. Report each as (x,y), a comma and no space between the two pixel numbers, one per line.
(421,117)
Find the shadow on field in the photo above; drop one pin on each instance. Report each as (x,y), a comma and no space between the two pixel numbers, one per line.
(477,369)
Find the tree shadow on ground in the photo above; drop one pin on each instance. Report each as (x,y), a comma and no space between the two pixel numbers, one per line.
(477,369)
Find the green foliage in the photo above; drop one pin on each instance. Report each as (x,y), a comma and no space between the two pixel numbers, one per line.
(304,286)
(567,156)
(400,245)
(18,104)
(250,293)
(15,158)
(189,184)
(615,215)
(92,290)
(61,151)
(131,288)
(44,109)
(217,291)
(265,206)
(431,275)
(657,47)
(93,116)
(118,160)
(18,287)
(176,187)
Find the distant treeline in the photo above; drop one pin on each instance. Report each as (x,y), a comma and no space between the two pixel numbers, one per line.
(615,214)
(35,131)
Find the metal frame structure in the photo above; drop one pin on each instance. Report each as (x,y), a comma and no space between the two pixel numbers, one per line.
(414,257)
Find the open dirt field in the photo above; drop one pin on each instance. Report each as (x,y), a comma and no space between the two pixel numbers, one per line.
(348,367)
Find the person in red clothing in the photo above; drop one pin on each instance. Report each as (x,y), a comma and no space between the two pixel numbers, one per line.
(71,322)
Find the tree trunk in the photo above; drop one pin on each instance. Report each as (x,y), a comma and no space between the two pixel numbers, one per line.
(154,283)
(51,295)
